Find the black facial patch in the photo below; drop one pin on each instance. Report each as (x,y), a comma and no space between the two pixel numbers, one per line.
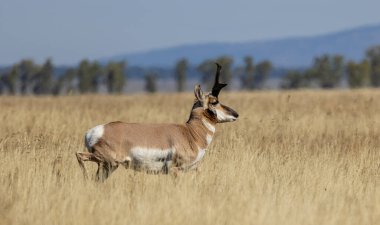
(231,111)
(211,113)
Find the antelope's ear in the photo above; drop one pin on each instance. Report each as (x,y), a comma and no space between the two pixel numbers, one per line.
(198,93)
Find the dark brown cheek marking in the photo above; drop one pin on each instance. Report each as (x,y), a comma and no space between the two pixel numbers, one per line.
(210,115)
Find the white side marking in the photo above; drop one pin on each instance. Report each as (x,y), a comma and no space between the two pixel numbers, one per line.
(151,158)
(208,139)
(93,135)
(208,125)
(193,165)
(201,154)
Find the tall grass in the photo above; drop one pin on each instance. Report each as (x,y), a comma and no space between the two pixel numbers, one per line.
(304,157)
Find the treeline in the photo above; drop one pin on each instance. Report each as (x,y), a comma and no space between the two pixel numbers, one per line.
(251,75)
(26,77)
(327,71)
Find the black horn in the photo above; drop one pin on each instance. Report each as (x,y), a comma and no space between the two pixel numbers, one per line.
(217,86)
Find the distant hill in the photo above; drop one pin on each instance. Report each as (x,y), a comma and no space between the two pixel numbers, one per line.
(286,53)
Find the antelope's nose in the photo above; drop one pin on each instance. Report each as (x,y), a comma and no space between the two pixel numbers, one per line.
(236,114)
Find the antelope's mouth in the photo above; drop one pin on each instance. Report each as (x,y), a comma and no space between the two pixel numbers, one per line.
(230,119)
(233,119)
(235,116)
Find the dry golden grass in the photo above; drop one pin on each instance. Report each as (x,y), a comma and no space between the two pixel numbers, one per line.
(303,157)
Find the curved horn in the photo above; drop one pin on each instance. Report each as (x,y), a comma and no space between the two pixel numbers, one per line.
(217,86)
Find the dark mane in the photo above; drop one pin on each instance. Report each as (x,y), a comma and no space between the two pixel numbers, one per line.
(197,104)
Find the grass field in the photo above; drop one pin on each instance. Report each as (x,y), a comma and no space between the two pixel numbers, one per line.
(307,157)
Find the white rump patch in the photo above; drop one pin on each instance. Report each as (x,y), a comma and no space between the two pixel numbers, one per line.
(93,135)
(208,125)
(151,159)
(208,139)
(223,117)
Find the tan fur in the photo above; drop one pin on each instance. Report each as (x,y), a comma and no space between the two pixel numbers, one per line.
(186,139)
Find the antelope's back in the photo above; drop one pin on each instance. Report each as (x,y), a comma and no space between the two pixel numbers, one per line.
(120,136)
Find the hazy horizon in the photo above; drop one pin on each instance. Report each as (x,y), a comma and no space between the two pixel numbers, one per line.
(72,30)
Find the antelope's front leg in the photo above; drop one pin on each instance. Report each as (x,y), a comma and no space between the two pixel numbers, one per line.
(175,171)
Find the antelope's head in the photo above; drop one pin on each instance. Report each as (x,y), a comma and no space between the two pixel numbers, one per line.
(213,109)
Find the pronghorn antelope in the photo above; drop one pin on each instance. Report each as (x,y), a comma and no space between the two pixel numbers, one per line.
(157,148)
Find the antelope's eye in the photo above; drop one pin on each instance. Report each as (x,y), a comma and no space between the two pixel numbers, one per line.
(214,103)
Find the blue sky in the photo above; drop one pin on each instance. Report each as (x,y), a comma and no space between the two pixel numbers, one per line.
(70,30)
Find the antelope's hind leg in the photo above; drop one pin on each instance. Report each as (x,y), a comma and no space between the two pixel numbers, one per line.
(104,170)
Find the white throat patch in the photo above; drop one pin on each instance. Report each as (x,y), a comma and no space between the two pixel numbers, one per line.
(208,125)
(208,139)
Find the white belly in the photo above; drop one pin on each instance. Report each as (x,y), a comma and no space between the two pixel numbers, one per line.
(151,159)
(157,160)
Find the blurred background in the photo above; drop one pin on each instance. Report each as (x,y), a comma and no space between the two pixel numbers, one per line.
(79,46)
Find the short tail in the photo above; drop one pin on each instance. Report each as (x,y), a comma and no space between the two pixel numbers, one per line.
(92,137)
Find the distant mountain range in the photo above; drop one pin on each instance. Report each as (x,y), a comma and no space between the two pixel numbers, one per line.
(286,53)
